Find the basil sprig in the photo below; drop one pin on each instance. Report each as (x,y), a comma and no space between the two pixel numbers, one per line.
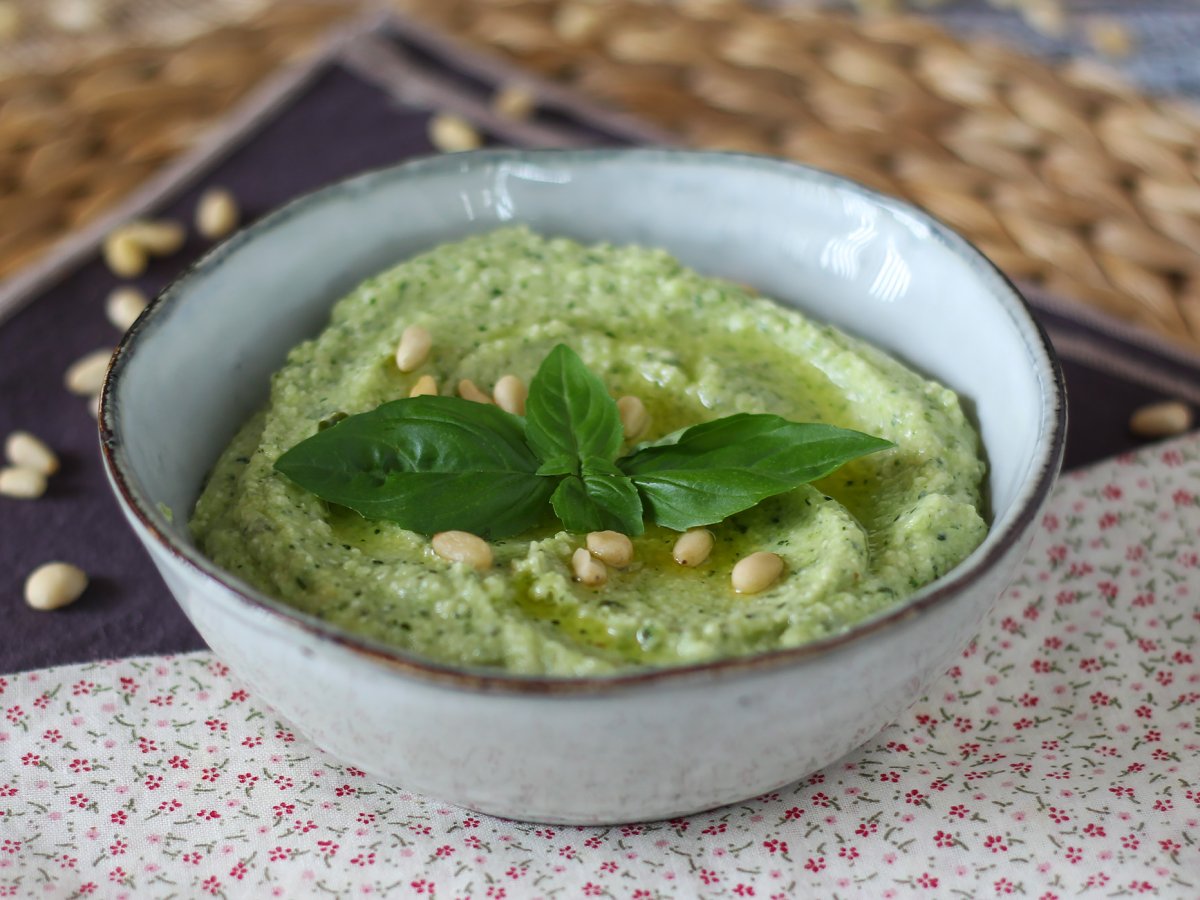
(443,463)
(574,427)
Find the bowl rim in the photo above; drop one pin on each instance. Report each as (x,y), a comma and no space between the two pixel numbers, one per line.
(1032,493)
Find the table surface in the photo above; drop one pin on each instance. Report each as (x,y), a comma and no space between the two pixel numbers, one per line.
(354,108)
(1056,758)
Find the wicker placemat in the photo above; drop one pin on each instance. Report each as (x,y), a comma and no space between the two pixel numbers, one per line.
(1064,176)
(73,142)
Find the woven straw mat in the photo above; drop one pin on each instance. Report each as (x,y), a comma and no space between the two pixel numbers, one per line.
(1064,176)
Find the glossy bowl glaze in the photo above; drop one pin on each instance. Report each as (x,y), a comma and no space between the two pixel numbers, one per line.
(597,750)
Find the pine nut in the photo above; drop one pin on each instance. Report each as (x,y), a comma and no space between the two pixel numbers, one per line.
(29,452)
(54,585)
(413,348)
(450,133)
(463,547)
(510,393)
(425,387)
(468,391)
(1161,419)
(514,102)
(216,213)
(124,256)
(693,547)
(123,306)
(611,547)
(25,484)
(756,572)
(1109,37)
(86,374)
(158,238)
(634,418)
(1047,17)
(588,570)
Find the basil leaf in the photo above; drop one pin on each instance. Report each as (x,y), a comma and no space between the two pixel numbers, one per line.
(709,472)
(619,500)
(429,464)
(560,465)
(569,414)
(599,502)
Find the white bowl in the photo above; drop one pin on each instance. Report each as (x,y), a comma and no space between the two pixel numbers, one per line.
(599,750)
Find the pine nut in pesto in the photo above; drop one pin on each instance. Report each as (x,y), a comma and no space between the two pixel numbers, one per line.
(510,393)
(611,548)
(463,547)
(468,390)
(413,349)
(756,572)
(851,544)
(588,570)
(634,417)
(426,386)
(693,547)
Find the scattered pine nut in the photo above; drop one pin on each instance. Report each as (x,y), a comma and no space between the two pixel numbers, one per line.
(54,585)
(611,547)
(1046,17)
(124,256)
(413,348)
(216,213)
(514,101)
(463,547)
(29,452)
(123,306)
(25,484)
(86,374)
(426,386)
(756,572)
(693,547)
(158,238)
(1109,37)
(450,133)
(510,394)
(634,418)
(468,391)
(1161,419)
(588,570)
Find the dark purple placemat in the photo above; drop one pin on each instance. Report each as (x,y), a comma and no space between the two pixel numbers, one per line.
(353,110)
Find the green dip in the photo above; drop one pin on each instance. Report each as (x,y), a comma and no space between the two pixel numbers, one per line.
(694,349)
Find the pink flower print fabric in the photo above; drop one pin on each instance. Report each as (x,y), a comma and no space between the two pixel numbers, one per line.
(1059,757)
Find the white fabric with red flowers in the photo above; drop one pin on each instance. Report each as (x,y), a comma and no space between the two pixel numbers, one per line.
(1060,757)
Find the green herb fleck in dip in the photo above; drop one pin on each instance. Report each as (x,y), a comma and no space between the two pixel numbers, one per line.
(692,349)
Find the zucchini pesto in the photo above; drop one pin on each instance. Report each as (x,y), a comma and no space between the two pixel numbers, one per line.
(691,349)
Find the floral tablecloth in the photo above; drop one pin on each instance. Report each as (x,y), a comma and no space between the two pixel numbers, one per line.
(1059,757)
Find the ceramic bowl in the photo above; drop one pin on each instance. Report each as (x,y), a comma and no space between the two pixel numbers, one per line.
(595,750)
